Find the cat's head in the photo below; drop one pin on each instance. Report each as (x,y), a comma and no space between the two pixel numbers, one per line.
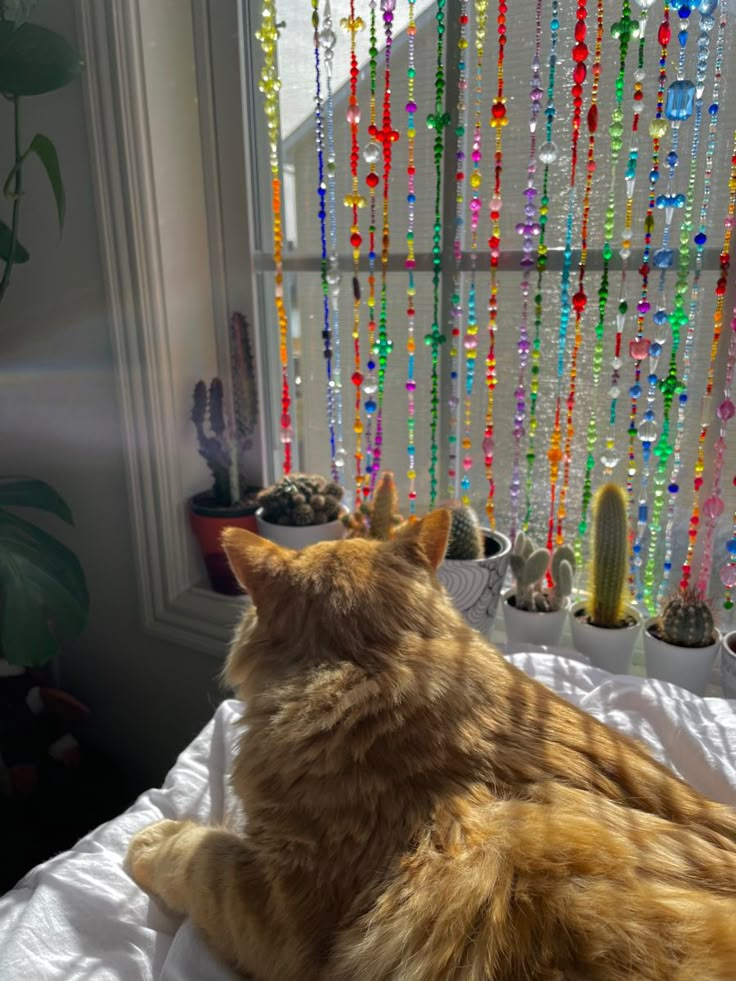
(353,599)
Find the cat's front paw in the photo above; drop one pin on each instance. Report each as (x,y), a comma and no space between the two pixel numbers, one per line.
(145,848)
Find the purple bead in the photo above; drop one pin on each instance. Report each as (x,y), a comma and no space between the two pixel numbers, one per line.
(726,410)
(411,385)
(411,107)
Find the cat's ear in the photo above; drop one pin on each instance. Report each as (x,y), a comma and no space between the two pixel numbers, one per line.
(255,561)
(427,537)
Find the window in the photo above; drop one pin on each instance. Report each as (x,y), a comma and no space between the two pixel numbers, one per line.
(302,262)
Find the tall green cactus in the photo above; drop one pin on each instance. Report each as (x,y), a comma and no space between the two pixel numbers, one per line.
(610,557)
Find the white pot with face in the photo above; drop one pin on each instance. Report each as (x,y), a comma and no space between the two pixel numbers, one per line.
(474,585)
(609,648)
(688,667)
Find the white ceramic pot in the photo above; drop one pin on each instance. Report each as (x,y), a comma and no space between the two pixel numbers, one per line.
(688,667)
(531,627)
(300,536)
(728,664)
(474,585)
(607,648)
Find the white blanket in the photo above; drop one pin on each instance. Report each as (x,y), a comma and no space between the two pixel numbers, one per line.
(79,916)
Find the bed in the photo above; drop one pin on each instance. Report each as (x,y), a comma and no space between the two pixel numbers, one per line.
(79,916)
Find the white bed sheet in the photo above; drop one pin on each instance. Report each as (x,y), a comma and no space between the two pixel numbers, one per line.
(79,916)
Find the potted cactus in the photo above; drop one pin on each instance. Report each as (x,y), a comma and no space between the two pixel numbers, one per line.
(604,626)
(301,509)
(474,567)
(681,644)
(535,607)
(223,443)
(378,517)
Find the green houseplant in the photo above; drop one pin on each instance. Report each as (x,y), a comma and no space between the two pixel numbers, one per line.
(43,593)
(224,440)
(535,607)
(301,509)
(604,625)
(681,644)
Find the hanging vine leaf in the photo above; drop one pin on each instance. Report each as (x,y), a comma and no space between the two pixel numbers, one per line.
(34,60)
(21,254)
(46,152)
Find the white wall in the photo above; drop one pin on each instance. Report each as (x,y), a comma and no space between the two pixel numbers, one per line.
(59,421)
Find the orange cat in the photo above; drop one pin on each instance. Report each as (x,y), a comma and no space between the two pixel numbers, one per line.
(420,810)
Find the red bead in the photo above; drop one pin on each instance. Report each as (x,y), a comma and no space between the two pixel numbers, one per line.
(664,34)
(593,118)
(579,301)
(356,378)
(372,180)
(580,52)
(579,72)
(581,30)
(355,240)
(697,484)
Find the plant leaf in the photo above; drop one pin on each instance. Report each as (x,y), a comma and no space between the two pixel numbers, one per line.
(34,60)
(18,11)
(27,492)
(46,152)
(44,592)
(21,254)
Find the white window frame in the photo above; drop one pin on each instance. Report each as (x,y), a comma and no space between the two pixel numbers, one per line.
(173,269)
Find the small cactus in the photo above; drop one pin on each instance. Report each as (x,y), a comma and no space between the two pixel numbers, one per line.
(466,539)
(378,518)
(687,620)
(529,567)
(301,499)
(610,557)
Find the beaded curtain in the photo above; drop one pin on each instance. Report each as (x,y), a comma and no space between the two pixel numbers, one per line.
(508,280)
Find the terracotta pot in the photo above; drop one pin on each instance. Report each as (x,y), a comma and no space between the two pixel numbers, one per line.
(300,536)
(474,585)
(531,626)
(609,648)
(208,522)
(728,664)
(688,667)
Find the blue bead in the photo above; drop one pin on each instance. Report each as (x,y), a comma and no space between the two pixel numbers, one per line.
(635,391)
(371,366)
(636,548)
(667,566)
(653,176)
(713,109)
(731,546)
(682,38)
(411,198)
(663,258)
(672,158)
(643,512)
(554,24)
(652,379)
(410,448)
(673,488)
(660,317)
(372,256)
(706,7)
(370,406)
(680,100)
(701,238)
(655,349)
(682,398)
(649,415)
(465,483)
(684,11)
